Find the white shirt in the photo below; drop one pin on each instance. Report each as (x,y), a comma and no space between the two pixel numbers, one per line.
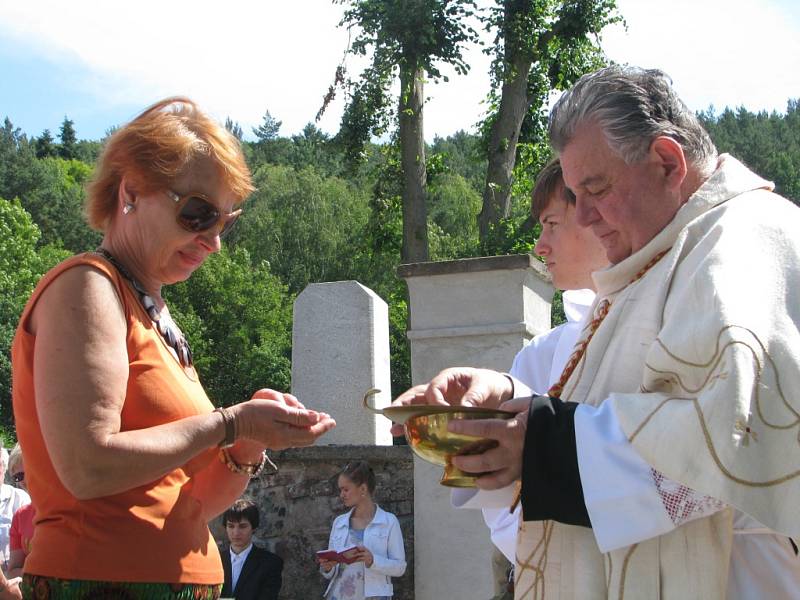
(538,365)
(11,499)
(237,561)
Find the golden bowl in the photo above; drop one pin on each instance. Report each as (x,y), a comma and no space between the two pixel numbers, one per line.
(426,431)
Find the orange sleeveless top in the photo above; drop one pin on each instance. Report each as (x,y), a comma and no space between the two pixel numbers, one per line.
(154,533)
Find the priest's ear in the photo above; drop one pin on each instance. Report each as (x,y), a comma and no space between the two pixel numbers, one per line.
(670,159)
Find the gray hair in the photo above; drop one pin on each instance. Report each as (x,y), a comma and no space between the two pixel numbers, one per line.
(632,106)
(3,458)
(15,458)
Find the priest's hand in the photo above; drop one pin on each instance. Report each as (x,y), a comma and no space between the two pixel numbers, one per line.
(501,465)
(460,386)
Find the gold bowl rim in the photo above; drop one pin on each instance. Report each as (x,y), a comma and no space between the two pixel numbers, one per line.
(401,414)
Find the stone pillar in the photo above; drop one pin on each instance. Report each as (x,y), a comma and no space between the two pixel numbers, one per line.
(475,312)
(340,349)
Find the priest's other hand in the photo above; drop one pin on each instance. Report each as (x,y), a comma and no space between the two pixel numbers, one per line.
(502,464)
(459,386)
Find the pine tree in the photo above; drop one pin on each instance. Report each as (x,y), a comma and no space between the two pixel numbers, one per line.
(44,145)
(69,140)
(234,128)
(268,130)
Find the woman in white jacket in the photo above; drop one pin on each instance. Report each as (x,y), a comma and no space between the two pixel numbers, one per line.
(376,535)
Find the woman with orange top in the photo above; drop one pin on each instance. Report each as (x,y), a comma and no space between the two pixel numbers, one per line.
(125,456)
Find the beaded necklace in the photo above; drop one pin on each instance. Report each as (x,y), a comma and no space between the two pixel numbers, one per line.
(168,329)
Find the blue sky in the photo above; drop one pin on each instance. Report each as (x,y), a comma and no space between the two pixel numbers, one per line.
(100,63)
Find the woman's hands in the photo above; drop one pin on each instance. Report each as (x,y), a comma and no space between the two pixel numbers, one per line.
(362,554)
(326,565)
(279,421)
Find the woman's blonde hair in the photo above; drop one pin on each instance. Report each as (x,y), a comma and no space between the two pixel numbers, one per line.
(155,148)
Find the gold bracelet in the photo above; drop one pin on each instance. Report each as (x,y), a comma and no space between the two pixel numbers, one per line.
(249,469)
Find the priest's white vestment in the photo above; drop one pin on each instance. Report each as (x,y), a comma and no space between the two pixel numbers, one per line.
(698,362)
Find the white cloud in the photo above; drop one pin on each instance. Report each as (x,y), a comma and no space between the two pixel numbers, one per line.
(716,52)
(240,58)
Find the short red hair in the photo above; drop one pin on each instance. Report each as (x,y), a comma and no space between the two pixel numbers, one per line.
(158,146)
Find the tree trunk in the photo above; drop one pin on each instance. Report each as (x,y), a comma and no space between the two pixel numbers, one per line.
(503,146)
(412,150)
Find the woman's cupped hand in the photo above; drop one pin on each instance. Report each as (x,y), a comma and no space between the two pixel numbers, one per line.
(279,421)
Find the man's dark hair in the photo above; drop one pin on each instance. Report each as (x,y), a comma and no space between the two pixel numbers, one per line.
(360,472)
(242,510)
(549,183)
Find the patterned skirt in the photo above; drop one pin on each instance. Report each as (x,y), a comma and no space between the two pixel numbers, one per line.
(36,587)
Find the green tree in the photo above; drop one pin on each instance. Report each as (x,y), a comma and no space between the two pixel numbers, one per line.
(407,40)
(313,147)
(268,130)
(234,128)
(540,45)
(69,140)
(463,154)
(50,189)
(22,262)
(303,224)
(56,203)
(237,317)
(769,143)
(454,206)
(45,146)
(18,165)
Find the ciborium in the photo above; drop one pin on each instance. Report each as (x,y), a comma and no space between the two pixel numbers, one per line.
(425,427)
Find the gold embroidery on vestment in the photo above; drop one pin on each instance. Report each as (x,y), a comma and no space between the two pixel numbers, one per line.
(537,587)
(623,573)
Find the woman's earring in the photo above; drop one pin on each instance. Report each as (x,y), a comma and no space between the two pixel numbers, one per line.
(129,207)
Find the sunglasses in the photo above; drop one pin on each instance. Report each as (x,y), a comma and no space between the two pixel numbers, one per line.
(197,214)
(18,477)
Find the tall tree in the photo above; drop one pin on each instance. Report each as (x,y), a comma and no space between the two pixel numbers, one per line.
(407,39)
(540,46)
(268,130)
(69,140)
(44,145)
(23,260)
(234,128)
(768,143)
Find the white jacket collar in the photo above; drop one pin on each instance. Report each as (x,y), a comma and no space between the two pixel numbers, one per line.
(379,517)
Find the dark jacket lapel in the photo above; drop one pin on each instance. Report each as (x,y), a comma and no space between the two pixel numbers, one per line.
(225,555)
(250,565)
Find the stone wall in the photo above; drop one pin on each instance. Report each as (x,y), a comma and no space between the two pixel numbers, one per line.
(298,504)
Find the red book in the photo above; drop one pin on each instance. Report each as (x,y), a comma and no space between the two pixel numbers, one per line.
(345,556)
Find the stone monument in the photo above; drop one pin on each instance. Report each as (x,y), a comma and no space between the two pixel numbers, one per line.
(340,349)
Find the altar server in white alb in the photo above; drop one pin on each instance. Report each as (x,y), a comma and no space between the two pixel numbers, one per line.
(665,463)
(571,253)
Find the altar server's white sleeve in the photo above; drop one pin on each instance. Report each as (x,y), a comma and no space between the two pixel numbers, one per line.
(627,500)
(475,498)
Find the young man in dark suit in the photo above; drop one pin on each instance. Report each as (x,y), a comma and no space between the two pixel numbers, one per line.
(251,573)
